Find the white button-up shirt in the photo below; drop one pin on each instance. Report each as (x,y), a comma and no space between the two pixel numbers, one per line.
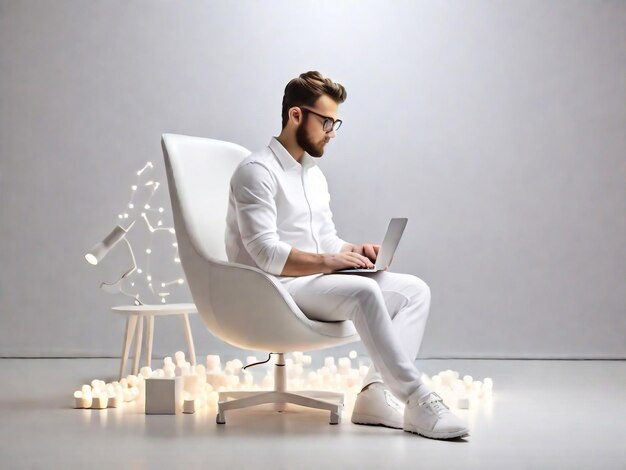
(276,203)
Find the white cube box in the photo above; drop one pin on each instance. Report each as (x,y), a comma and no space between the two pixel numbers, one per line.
(163,395)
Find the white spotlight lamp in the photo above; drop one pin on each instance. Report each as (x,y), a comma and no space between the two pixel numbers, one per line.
(100,249)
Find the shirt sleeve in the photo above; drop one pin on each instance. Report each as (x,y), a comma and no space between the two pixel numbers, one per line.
(330,242)
(253,188)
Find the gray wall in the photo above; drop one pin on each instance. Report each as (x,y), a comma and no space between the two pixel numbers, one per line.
(498,128)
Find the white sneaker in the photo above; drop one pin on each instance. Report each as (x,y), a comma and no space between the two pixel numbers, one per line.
(432,418)
(377,406)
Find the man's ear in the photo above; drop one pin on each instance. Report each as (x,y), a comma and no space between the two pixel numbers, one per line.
(296,114)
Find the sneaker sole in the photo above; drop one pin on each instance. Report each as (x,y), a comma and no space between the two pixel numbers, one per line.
(437,435)
(373,421)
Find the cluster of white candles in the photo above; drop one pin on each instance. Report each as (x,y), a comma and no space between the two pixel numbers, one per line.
(460,393)
(202,384)
(100,395)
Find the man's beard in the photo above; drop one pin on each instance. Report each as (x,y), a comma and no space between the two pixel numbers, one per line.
(304,141)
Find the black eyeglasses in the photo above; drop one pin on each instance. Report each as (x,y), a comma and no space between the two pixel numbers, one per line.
(329,124)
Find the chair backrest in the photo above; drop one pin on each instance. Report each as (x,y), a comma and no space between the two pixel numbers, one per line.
(201,169)
(198,176)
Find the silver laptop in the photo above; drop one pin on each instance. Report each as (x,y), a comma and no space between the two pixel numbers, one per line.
(387,249)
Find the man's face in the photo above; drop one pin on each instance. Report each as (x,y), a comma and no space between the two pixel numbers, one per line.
(310,133)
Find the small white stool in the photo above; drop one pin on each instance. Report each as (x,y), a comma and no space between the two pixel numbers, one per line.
(134,327)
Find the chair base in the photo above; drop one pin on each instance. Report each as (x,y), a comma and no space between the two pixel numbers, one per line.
(320,399)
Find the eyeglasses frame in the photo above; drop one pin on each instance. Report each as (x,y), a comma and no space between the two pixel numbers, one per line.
(326,119)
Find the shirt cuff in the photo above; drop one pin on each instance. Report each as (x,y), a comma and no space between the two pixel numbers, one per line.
(276,263)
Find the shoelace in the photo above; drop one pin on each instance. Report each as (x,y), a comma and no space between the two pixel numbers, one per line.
(393,401)
(436,403)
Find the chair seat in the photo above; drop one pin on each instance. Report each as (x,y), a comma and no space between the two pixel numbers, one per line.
(337,329)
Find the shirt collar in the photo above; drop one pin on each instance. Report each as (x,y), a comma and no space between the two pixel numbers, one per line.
(285,158)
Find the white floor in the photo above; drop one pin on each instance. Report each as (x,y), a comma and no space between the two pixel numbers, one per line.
(545,414)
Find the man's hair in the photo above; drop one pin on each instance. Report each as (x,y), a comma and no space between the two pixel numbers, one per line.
(307,88)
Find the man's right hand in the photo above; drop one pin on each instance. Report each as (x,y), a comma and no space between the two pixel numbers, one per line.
(346,260)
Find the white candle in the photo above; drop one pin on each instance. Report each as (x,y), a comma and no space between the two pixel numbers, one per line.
(189,406)
(248,379)
(87,400)
(78,399)
(99,402)
(353,378)
(180,358)
(114,401)
(463,403)
(166,369)
(458,386)
(212,362)
(306,360)
(229,368)
(145,372)
(329,361)
(191,384)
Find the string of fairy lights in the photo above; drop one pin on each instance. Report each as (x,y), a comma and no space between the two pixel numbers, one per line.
(152,218)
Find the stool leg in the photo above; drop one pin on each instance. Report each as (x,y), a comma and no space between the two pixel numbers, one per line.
(150,332)
(187,329)
(131,322)
(138,336)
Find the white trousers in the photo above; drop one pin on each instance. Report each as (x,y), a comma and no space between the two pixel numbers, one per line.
(389,311)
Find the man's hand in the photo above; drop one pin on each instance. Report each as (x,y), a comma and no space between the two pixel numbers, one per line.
(369,250)
(301,263)
(344,260)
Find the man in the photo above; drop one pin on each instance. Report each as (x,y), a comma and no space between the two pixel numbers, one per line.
(279,219)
